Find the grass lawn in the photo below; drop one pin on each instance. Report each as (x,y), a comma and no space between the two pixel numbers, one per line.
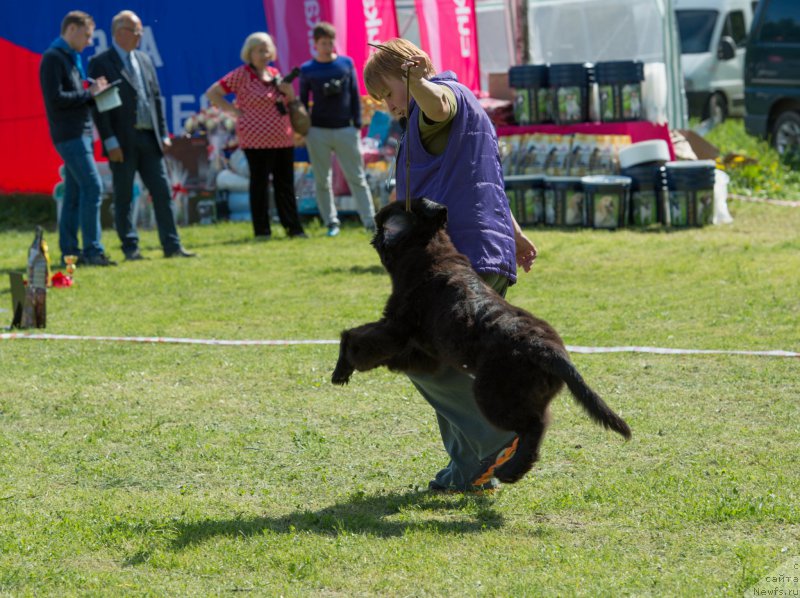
(161,469)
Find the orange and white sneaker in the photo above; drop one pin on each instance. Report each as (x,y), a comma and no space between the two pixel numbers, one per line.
(503,456)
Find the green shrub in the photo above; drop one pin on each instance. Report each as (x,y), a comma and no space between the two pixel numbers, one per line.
(771,175)
(24,211)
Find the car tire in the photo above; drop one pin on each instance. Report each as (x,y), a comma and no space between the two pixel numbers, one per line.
(786,131)
(716,108)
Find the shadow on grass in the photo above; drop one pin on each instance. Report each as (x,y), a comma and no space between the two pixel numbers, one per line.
(381,515)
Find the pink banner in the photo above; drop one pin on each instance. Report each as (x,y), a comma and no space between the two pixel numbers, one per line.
(449,34)
(291,24)
(360,21)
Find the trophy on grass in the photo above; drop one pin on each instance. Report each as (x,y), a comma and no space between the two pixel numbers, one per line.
(70,262)
(34,310)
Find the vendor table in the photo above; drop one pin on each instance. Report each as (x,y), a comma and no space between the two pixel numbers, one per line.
(638,130)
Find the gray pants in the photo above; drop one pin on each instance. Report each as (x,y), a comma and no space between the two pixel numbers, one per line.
(469,439)
(344,143)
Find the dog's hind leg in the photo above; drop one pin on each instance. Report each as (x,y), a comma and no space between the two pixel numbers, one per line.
(527,454)
(511,400)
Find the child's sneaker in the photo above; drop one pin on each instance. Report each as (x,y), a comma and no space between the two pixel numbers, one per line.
(504,455)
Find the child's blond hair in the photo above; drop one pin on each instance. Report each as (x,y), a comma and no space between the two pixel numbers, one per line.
(382,65)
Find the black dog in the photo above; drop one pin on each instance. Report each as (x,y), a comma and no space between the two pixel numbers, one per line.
(441,312)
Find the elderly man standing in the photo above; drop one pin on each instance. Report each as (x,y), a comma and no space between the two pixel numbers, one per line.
(68,103)
(135,135)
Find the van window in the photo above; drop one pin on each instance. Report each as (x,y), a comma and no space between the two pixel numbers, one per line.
(735,28)
(695,28)
(780,23)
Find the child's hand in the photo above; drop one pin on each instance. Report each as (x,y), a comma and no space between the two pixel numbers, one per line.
(414,68)
(526,252)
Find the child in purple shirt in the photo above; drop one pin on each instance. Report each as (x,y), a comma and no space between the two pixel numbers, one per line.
(455,161)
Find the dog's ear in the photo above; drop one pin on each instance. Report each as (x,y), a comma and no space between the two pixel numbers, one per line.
(433,211)
(387,211)
(394,227)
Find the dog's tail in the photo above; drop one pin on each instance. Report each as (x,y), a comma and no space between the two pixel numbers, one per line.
(556,362)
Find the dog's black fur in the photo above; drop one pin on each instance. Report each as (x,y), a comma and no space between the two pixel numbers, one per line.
(441,312)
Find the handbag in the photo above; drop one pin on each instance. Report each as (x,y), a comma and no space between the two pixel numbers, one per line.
(298,116)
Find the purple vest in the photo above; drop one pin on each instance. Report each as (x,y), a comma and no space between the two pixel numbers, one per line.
(468,179)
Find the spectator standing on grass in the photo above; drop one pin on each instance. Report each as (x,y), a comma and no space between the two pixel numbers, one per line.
(264,132)
(135,136)
(335,109)
(455,161)
(68,100)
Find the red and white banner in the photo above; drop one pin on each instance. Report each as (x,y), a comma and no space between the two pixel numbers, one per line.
(291,24)
(448,33)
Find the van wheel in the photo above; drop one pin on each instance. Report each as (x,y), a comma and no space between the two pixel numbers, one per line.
(716,108)
(786,132)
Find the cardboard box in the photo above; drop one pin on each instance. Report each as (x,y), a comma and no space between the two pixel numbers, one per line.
(499,87)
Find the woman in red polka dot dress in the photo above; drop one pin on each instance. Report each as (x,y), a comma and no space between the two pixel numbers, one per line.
(264,131)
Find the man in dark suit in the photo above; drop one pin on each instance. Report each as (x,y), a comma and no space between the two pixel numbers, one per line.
(135,136)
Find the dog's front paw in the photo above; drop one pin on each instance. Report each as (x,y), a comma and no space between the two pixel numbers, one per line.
(341,375)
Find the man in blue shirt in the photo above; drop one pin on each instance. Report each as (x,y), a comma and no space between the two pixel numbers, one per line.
(335,127)
(68,99)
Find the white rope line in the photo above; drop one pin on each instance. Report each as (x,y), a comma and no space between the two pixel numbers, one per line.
(160,339)
(664,351)
(273,343)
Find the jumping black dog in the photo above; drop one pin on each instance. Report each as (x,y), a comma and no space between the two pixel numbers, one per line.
(442,312)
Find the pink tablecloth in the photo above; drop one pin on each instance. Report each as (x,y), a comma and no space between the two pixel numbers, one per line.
(638,130)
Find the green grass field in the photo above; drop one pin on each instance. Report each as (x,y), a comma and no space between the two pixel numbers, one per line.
(163,469)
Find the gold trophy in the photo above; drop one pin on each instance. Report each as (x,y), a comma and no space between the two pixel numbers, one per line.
(69,262)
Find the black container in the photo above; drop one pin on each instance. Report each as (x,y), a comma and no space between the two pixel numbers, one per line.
(564,201)
(532,99)
(620,87)
(647,193)
(525,194)
(569,85)
(691,192)
(607,200)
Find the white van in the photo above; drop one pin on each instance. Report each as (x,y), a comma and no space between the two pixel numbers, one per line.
(713,36)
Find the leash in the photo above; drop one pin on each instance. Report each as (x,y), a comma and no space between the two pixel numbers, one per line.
(408,116)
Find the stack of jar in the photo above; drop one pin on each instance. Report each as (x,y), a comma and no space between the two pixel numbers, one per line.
(565,93)
(597,201)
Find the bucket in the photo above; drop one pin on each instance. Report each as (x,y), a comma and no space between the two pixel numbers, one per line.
(620,86)
(564,201)
(525,194)
(647,193)
(691,192)
(108,99)
(607,200)
(239,206)
(532,99)
(653,151)
(569,85)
